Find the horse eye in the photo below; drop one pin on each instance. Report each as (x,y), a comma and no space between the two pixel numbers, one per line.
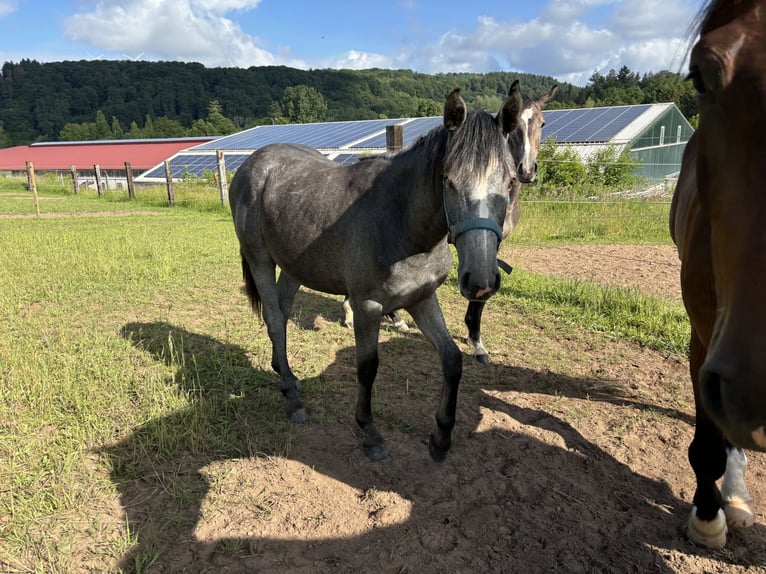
(696,77)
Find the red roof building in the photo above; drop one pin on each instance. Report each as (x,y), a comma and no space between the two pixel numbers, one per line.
(108,154)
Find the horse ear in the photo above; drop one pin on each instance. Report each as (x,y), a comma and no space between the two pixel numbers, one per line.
(545,98)
(508,116)
(455,111)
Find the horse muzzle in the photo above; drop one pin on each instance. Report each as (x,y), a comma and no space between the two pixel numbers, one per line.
(736,401)
(477,269)
(526,175)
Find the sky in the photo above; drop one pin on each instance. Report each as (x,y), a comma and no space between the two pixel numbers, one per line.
(565,39)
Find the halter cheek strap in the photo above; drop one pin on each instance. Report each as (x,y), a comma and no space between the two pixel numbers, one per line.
(468,224)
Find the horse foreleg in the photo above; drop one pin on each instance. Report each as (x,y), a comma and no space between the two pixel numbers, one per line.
(429,318)
(736,498)
(473,322)
(366,331)
(707,456)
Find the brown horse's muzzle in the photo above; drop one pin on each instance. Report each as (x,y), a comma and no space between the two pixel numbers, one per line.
(733,394)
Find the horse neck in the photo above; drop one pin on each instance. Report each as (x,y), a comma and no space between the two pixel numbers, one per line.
(419,172)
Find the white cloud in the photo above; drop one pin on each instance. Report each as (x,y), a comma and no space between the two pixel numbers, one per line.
(8,7)
(568,39)
(187,30)
(646,37)
(355,60)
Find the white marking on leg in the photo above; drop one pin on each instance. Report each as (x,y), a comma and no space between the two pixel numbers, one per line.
(478,346)
(736,498)
(349,320)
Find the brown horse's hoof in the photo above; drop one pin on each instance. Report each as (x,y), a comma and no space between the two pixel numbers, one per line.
(711,534)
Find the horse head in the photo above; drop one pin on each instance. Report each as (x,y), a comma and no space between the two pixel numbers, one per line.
(728,69)
(526,138)
(477,177)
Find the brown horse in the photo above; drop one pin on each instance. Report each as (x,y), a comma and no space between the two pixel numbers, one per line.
(717,221)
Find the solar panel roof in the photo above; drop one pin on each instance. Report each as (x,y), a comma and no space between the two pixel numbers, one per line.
(586,125)
(196,164)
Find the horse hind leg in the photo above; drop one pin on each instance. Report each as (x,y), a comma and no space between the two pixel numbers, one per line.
(275,305)
(394,316)
(348,314)
(473,322)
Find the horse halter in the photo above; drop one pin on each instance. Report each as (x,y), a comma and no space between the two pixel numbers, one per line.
(461,227)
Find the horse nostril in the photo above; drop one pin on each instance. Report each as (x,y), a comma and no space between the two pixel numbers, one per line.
(534,168)
(520,167)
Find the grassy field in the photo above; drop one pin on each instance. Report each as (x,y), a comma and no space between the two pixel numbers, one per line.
(108,323)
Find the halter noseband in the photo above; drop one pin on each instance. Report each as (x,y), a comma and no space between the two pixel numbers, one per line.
(471,223)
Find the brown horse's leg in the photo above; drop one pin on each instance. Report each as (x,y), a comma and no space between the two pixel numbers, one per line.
(429,318)
(366,331)
(707,456)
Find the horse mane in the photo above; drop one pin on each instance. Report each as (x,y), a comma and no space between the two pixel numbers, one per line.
(476,143)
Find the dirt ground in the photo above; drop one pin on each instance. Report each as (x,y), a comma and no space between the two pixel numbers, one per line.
(569,455)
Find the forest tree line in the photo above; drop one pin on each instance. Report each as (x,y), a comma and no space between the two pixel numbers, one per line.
(109,99)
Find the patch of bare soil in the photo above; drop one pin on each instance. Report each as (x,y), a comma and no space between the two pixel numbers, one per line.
(569,455)
(652,269)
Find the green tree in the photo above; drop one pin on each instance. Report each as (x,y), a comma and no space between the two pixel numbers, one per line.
(117,131)
(101,129)
(302,104)
(611,167)
(560,168)
(428,108)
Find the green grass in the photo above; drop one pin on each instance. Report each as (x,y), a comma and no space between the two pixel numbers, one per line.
(127,347)
(625,222)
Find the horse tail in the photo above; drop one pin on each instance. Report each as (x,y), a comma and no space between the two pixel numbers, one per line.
(250,288)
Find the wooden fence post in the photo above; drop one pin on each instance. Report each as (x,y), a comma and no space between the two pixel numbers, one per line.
(129,177)
(394,138)
(75,183)
(222,183)
(99,185)
(33,186)
(169,183)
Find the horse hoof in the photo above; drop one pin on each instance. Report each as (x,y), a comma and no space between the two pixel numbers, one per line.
(711,534)
(402,326)
(483,358)
(349,324)
(376,452)
(437,453)
(298,416)
(738,513)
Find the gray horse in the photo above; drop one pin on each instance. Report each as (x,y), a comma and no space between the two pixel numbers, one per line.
(525,142)
(377,232)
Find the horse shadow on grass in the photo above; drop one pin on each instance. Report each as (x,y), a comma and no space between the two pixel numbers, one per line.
(504,500)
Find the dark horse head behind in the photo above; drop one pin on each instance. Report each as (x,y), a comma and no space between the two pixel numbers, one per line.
(717,221)
(376,231)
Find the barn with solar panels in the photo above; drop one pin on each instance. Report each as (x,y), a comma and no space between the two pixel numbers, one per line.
(655,134)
